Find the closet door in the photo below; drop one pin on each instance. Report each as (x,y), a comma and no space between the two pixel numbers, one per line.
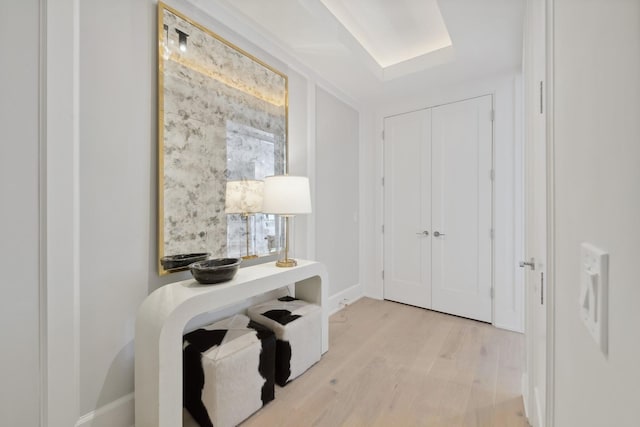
(461,208)
(407,213)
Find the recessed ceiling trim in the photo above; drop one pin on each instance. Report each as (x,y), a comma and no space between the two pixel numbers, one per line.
(420,63)
(393,32)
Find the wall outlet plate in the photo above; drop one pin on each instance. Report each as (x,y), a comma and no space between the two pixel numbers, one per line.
(594,293)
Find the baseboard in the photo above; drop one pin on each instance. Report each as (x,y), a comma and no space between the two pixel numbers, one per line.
(119,413)
(338,301)
(508,327)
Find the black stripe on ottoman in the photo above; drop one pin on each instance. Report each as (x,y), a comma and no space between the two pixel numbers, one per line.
(297,326)
(228,371)
(197,342)
(267,367)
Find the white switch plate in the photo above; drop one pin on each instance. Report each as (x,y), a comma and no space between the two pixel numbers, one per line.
(594,293)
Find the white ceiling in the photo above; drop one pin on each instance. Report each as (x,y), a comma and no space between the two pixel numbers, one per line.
(486,37)
(393,31)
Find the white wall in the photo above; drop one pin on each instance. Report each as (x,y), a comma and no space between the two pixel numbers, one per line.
(597,200)
(506,90)
(337,191)
(117,191)
(20,213)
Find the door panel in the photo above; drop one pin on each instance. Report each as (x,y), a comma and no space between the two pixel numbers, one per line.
(461,208)
(407,194)
(535,248)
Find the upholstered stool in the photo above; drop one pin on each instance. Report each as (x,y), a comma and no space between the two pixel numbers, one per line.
(228,371)
(298,328)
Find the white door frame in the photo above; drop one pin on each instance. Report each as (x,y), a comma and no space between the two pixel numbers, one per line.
(551,231)
(550,214)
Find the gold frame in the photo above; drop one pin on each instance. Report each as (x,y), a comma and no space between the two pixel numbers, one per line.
(161,8)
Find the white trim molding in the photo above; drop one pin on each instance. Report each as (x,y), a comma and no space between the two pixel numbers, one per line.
(42,210)
(551,228)
(120,412)
(61,206)
(311,167)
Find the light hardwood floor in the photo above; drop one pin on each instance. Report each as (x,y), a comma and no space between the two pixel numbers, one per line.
(391,364)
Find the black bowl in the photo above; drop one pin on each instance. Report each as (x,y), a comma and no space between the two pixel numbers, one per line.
(182,261)
(215,270)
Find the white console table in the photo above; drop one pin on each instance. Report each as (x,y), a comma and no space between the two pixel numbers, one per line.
(164,314)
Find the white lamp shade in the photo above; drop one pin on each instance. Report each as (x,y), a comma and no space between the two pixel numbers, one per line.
(286,195)
(243,197)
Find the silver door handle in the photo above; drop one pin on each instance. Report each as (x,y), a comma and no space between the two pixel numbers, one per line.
(423,233)
(438,234)
(531,264)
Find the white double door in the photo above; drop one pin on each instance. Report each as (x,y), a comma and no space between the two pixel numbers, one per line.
(437,208)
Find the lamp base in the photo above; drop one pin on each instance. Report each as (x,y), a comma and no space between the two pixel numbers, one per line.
(250,256)
(287,262)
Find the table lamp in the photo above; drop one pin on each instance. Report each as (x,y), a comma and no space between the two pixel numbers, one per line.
(244,197)
(287,196)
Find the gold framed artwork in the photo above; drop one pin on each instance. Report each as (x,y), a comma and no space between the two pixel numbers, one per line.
(222,116)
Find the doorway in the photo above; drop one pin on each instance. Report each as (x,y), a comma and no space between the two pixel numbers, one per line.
(438,208)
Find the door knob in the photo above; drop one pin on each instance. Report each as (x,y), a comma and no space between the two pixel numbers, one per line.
(423,233)
(531,264)
(438,234)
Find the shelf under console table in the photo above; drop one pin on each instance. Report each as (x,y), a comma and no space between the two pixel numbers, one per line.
(164,314)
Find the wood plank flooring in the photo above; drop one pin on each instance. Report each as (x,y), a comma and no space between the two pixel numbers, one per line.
(391,364)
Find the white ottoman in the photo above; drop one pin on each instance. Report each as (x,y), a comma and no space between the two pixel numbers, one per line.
(228,371)
(298,328)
